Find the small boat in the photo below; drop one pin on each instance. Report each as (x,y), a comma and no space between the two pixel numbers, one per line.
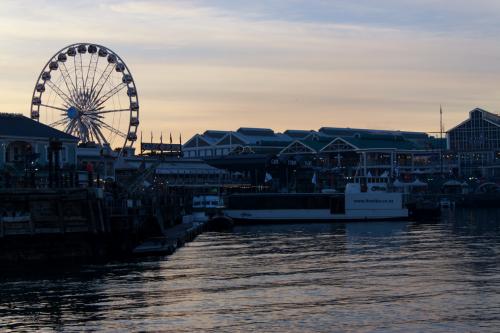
(367,198)
(220,222)
(205,206)
(155,245)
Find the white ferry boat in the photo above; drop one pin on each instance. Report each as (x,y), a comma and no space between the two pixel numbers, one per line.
(367,198)
(205,206)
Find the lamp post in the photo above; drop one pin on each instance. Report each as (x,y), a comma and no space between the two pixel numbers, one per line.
(55,147)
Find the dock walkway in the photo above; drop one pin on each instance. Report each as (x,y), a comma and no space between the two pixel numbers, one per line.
(174,237)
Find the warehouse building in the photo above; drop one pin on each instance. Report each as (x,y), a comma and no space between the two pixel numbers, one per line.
(476,143)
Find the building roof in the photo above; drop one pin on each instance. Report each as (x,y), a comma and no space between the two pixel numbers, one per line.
(298,146)
(251,131)
(169,165)
(435,143)
(20,126)
(265,137)
(186,167)
(214,134)
(208,138)
(380,142)
(315,144)
(490,116)
(485,115)
(272,143)
(346,132)
(255,136)
(298,134)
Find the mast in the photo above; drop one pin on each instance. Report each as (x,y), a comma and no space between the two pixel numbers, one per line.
(441,138)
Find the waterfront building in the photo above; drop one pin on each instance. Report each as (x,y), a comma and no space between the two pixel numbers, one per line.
(172,172)
(168,167)
(214,143)
(25,150)
(419,138)
(365,154)
(476,143)
(294,157)
(101,160)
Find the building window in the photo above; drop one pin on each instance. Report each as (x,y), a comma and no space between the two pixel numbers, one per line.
(18,151)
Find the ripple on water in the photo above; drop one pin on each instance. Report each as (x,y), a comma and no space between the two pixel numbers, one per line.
(286,278)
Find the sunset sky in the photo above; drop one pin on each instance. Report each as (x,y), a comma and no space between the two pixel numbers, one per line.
(282,64)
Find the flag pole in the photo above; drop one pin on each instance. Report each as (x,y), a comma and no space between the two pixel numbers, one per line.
(170,142)
(161,143)
(180,144)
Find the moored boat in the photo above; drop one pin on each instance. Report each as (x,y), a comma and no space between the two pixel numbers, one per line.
(205,206)
(367,198)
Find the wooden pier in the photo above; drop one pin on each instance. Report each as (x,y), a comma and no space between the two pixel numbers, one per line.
(81,223)
(35,212)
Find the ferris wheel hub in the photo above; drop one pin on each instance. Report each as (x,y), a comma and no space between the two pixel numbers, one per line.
(72,112)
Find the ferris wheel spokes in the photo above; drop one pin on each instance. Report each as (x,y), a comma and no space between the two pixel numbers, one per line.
(92,69)
(87,74)
(109,128)
(60,122)
(67,78)
(54,107)
(110,93)
(109,111)
(60,93)
(102,81)
(79,76)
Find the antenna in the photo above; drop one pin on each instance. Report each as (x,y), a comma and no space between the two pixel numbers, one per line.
(440,122)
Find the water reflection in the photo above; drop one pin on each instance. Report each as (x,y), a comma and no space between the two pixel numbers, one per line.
(441,276)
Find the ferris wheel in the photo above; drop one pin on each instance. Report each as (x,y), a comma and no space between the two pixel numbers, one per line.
(87,90)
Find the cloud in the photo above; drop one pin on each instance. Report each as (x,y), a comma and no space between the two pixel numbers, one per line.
(225,64)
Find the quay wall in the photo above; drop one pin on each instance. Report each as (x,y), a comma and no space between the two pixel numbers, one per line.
(76,225)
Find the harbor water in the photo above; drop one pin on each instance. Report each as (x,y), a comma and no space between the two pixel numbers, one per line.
(439,276)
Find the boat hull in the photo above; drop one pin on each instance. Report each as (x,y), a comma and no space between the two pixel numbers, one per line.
(317,215)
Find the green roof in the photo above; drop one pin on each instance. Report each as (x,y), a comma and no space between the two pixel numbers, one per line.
(271,143)
(380,142)
(365,141)
(435,143)
(317,145)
